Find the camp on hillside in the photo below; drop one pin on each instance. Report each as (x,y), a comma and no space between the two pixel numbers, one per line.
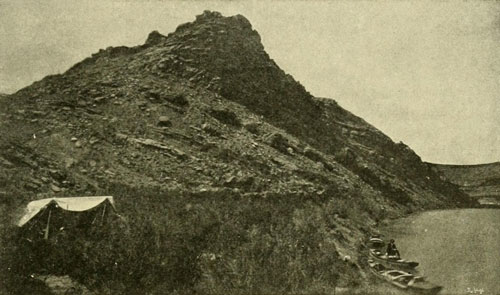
(46,218)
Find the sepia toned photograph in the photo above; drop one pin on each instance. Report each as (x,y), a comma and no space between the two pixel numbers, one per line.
(249,147)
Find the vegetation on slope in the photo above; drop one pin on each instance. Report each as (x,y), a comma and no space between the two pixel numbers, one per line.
(229,175)
(208,243)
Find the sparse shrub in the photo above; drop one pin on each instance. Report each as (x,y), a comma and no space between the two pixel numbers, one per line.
(226,155)
(178,99)
(174,98)
(346,157)
(344,208)
(278,141)
(226,116)
(252,127)
(313,155)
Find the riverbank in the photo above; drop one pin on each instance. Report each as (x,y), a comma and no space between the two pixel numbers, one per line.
(455,248)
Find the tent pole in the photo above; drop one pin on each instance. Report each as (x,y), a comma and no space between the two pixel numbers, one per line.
(46,236)
(103,212)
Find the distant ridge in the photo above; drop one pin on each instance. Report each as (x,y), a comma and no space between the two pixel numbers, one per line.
(466,165)
(479,181)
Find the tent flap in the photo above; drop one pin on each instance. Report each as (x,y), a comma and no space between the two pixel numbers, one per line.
(77,204)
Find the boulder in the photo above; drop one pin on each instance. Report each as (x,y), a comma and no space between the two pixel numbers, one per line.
(57,175)
(55,188)
(164,121)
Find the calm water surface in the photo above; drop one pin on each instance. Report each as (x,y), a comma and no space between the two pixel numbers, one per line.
(458,249)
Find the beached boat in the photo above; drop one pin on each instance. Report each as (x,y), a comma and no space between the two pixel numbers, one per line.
(375,242)
(392,260)
(403,280)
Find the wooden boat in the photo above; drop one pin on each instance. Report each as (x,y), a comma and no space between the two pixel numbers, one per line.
(375,242)
(403,280)
(392,260)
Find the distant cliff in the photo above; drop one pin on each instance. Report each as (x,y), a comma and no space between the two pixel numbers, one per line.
(479,181)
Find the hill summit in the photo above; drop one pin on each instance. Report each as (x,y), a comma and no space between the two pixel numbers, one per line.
(208,144)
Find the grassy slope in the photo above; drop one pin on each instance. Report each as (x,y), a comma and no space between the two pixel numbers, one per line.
(252,186)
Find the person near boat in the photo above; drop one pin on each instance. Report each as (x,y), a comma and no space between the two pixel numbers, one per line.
(392,250)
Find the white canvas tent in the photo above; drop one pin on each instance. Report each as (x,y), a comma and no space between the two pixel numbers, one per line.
(76,204)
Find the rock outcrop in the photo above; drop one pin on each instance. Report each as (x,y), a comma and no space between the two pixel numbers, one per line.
(205,112)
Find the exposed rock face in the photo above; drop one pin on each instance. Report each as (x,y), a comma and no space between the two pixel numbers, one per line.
(205,110)
(154,38)
(479,181)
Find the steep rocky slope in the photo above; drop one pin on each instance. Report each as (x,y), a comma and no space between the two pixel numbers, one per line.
(206,115)
(478,181)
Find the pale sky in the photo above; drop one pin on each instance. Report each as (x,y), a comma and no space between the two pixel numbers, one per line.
(425,73)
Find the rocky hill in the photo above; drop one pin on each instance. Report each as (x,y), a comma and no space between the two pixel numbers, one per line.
(479,181)
(227,170)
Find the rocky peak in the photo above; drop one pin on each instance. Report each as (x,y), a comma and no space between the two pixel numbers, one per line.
(231,57)
(211,30)
(206,114)
(216,18)
(208,15)
(214,67)
(154,38)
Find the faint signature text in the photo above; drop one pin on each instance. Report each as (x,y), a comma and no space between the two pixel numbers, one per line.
(474,290)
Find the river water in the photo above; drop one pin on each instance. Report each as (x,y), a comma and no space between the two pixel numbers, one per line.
(457,249)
